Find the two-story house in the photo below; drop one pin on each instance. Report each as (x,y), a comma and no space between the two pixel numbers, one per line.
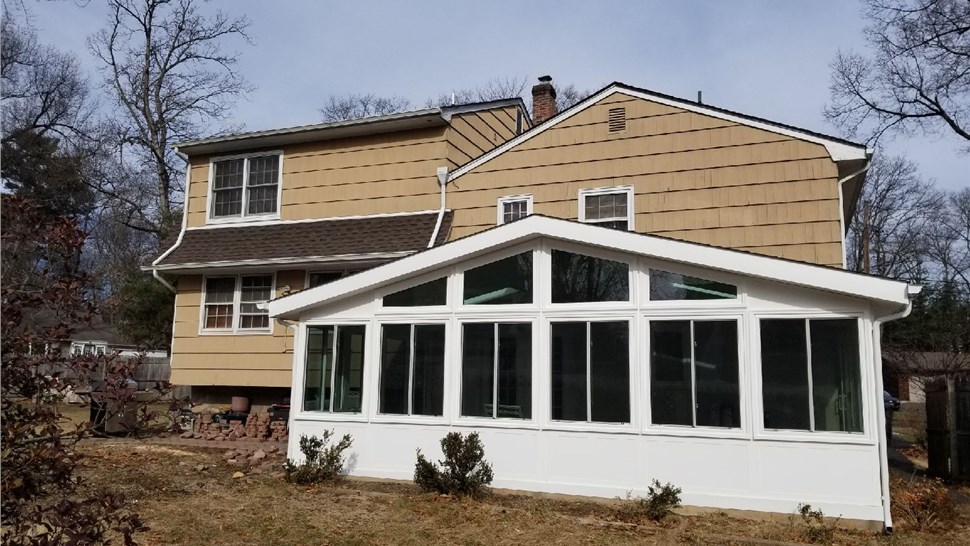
(637,287)
(273,212)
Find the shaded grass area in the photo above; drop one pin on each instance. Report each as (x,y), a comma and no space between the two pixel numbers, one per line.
(188,496)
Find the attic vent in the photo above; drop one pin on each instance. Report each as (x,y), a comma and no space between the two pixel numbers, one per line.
(617,121)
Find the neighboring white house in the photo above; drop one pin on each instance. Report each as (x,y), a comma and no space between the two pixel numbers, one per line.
(592,361)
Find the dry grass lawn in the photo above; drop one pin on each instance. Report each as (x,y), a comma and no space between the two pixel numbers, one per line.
(184,503)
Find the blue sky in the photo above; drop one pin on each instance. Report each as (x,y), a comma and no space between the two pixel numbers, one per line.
(764,58)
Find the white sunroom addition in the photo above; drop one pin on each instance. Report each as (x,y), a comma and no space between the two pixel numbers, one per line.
(592,361)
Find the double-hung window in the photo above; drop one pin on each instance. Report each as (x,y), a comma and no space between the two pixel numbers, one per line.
(514,207)
(496,370)
(694,373)
(232,303)
(591,371)
(607,207)
(412,369)
(810,374)
(245,187)
(334,376)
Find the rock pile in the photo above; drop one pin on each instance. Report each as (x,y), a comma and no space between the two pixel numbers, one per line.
(257,426)
(250,457)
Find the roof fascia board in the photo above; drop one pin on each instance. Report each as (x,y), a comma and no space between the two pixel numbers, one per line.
(448,111)
(303,133)
(257,223)
(730,261)
(838,151)
(310,260)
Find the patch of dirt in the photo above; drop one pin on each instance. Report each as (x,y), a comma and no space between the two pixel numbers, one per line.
(188,496)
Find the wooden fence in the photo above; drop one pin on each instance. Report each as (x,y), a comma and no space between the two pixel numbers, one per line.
(938,428)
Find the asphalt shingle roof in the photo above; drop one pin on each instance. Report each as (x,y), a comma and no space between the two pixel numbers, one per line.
(315,239)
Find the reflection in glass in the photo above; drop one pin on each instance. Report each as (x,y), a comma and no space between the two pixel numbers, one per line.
(502,282)
(430,293)
(784,374)
(579,278)
(666,286)
(836,381)
(670,382)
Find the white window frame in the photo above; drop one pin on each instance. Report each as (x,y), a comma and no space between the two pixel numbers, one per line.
(633,424)
(697,430)
(455,384)
(243,215)
(236,306)
(504,200)
(627,190)
(410,416)
(869,420)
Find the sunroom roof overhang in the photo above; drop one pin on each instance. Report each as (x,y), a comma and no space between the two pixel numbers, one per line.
(890,293)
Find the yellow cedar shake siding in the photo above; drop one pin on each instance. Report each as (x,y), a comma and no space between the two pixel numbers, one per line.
(263,360)
(472,134)
(378,174)
(695,177)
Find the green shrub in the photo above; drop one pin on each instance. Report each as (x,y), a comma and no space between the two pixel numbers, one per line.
(321,462)
(660,502)
(815,530)
(463,472)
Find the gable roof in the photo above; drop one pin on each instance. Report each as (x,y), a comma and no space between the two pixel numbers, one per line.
(399,121)
(532,227)
(318,241)
(839,149)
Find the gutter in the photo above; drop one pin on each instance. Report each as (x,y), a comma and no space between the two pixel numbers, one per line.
(185,218)
(442,182)
(842,181)
(883,442)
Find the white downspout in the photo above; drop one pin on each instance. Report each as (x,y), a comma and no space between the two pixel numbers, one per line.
(883,442)
(844,228)
(443,182)
(185,217)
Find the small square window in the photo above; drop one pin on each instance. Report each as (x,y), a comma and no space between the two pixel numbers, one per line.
(608,207)
(514,207)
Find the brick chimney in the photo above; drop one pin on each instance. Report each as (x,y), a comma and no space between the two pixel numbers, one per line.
(543,100)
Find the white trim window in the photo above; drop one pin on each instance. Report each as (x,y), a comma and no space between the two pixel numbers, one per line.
(334,376)
(590,371)
(496,370)
(412,380)
(694,373)
(607,207)
(231,304)
(514,207)
(811,374)
(245,186)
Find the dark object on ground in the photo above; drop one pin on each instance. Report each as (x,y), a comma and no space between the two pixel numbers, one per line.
(890,401)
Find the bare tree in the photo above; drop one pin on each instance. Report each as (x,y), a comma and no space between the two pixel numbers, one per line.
(44,90)
(890,234)
(354,106)
(949,247)
(502,87)
(917,78)
(168,73)
(569,95)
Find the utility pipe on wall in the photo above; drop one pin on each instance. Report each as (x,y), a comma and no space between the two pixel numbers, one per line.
(185,216)
(882,440)
(842,205)
(443,182)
